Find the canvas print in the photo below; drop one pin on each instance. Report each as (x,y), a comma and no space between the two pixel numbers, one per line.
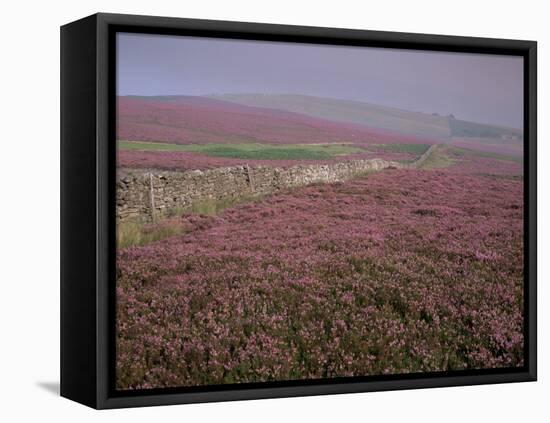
(290,212)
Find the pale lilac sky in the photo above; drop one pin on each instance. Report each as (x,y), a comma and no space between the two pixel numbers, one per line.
(475,87)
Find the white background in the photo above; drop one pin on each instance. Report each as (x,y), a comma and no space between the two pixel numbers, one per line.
(29,225)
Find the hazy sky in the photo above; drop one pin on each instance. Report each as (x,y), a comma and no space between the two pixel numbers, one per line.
(480,88)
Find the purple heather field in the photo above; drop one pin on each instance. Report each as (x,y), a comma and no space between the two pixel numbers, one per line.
(415,268)
(400,271)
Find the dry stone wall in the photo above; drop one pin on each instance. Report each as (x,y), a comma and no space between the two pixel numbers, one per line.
(145,196)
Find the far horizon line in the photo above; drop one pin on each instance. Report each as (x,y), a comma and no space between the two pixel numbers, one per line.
(435,114)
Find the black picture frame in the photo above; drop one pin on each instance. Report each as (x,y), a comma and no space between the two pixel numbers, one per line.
(88,194)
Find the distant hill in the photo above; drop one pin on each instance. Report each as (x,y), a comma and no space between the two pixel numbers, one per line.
(464,129)
(201,120)
(374,116)
(371,115)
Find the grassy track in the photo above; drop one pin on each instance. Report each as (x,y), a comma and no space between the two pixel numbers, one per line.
(439,158)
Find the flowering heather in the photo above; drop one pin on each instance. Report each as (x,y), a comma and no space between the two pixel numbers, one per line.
(401,271)
(473,162)
(199,120)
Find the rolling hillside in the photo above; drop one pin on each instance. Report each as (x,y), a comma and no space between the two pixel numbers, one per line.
(462,128)
(295,119)
(354,112)
(374,116)
(200,120)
